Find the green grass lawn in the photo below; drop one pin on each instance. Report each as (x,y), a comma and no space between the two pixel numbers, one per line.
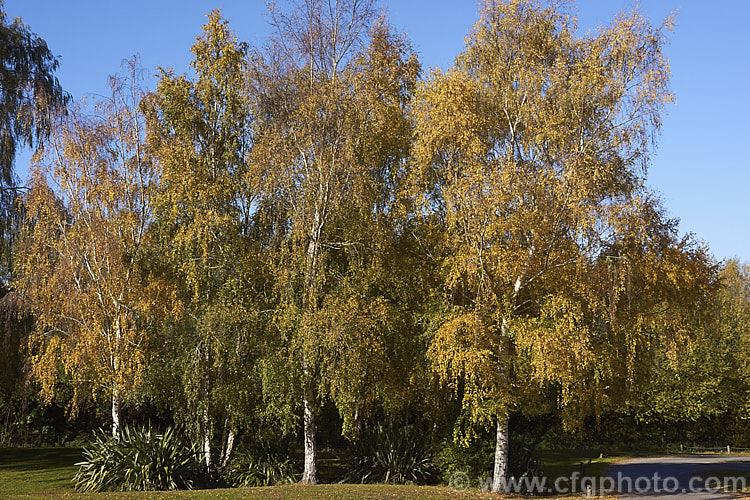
(37,471)
(590,463)
(46,473)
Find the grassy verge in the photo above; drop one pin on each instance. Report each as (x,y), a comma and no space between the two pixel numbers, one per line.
(37,471)
(586,463)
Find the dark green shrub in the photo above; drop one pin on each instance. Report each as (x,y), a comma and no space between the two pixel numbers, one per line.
(260,469)
(477,460)
(523,459)
(142,459)
(389,455)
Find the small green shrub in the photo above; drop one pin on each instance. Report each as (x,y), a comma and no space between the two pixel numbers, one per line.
(389,455)
(477,460)
(260,469)
(140,460)
(523,458)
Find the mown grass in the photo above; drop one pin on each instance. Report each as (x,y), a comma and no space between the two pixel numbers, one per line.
(46,473)
(294,492)
(37,471)
(586,462)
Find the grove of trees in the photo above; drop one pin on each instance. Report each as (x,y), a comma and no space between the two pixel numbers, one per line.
(315,236)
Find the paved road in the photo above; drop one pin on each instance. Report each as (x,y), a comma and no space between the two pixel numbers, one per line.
(674,477)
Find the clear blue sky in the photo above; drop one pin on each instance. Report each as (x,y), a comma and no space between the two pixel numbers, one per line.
(700,168)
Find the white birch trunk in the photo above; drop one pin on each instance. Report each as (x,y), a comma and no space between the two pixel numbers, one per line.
(207,424)
(207,438)
(223,451)
(116,396)
(310,473)
(228,449)
(501,455)
(116,411)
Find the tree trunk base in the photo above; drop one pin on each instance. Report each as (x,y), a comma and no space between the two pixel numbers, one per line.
(501,455)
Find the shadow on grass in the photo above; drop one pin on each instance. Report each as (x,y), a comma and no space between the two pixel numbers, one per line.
(38,459)
(39,472)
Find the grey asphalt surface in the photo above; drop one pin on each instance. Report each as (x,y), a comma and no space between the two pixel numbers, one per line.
(674,477)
